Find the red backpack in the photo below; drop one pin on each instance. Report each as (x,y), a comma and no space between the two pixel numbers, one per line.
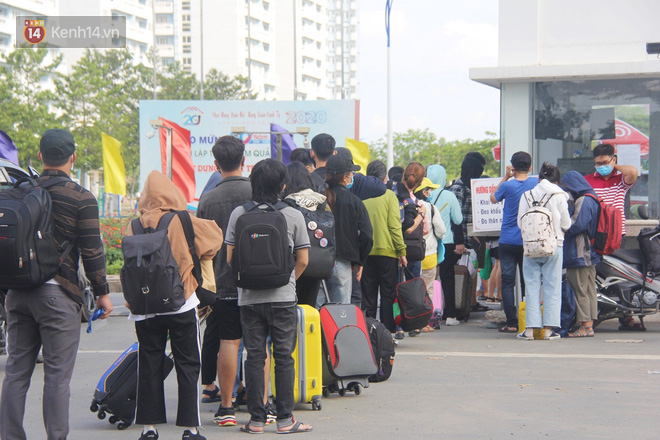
(608,233)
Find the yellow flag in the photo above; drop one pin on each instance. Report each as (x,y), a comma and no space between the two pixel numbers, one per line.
(114,173)
(360,152)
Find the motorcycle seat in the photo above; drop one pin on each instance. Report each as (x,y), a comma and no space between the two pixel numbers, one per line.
(630,256)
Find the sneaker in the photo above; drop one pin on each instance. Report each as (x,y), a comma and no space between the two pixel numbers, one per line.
(271,414)
(225,417)
(525,336)
(452,321)
(552,336)
(399,335)
(394,340)
(149,435)
(414,333)
(187,435)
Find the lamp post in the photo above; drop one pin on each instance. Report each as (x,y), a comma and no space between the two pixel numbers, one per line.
(157,124)
(390,143)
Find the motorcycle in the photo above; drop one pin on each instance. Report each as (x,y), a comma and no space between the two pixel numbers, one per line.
(625,288)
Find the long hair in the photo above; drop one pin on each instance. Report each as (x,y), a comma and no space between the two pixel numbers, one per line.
(299,179)
(412,177)
(331,182)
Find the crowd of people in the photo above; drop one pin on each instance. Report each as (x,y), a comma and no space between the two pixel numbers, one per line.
(389,226)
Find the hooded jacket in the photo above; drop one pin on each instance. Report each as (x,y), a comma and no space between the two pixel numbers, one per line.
(160,196)
(557,203)
(584,212)
(308,199)
(445,201)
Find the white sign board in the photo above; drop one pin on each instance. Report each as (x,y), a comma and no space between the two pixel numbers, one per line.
(486,216)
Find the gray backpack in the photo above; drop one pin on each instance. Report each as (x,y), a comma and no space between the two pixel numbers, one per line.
(537,229)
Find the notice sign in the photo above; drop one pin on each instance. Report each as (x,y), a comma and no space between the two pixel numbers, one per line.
(486,216)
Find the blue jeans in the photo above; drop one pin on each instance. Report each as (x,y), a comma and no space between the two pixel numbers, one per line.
(340,284)
(415,267)
(548,270)
(280,321)
(511,256)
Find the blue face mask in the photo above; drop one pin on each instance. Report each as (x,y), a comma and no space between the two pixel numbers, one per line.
(604,170)
(350,184)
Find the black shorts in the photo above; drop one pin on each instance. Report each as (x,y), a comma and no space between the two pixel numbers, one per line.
(229,319)
(495,253)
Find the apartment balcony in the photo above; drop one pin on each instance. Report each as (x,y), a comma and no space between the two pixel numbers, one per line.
(163,6)
(166,51)
(164,29)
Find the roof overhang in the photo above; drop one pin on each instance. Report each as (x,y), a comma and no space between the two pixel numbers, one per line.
(495,76)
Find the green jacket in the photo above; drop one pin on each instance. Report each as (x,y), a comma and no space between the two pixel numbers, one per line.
(386,221)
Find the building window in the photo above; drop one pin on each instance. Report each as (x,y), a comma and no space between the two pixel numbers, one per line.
(141,22)
(187,61)
(266,47)
(185,18)
(571,118)
(186,48)
(266,6)
(185,5)
(162,41)
(266,26)
(186,39)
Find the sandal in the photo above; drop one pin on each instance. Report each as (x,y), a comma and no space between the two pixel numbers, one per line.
(507,329)
(582,332)
(248,428)
(428,329)
(630,324)
(479,308)
(209,396)
(295,428)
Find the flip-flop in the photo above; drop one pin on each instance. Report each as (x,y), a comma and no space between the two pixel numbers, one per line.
(507,329)
(296,428)
(479,308)
(248,428)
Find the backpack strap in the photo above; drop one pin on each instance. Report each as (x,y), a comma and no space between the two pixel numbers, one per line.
(438,196)
(189,232)
(66,246)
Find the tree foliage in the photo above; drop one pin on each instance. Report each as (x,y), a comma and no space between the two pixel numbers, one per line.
(427,148)
(100,94)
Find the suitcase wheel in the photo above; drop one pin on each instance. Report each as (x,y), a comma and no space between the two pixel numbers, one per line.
(101,415)
(342,392)
(316,405)
(121,426)
(113,419)
(94,406)
(326,392)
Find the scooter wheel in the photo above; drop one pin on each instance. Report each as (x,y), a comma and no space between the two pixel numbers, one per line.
(357,390)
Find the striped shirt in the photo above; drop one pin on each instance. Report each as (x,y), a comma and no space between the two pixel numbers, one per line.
(76,219)
(612,191)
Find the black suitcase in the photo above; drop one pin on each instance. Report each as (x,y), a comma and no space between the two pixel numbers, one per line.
(463,292)
(415,305)
(116,392)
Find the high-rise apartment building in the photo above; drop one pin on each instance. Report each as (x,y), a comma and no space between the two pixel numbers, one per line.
(288,49)
(342,48)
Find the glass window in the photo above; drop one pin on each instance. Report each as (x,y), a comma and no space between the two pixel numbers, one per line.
(572,117)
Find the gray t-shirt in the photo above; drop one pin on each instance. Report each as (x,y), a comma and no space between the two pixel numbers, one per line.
(298,239)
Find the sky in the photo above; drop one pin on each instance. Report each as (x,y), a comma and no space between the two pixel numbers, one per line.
(433,45)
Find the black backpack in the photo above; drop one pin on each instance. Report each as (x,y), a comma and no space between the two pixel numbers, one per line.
(383,349)
(649,243)
(29,254)
(262,258)
(150,277)
(415,244)
(321,231)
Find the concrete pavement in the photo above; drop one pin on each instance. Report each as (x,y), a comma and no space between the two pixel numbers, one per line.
(464,382)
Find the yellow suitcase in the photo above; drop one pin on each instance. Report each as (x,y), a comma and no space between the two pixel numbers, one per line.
(308,358)
(539,333)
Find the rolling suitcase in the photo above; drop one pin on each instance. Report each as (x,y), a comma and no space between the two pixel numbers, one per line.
(116,392)
(349,358)
(463,292)
(414,304)
(308,358)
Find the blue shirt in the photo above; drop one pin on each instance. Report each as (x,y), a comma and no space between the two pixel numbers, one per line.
(511,191)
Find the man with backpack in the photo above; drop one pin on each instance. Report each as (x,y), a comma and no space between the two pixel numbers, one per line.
(48,314)
(388,253)
(580,258)
(234,190)
(257,231)
(514,183)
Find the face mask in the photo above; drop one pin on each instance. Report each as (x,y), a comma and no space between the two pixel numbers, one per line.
(351,183)
(604,170)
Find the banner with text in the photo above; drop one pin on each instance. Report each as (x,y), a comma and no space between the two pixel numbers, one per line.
(209,120)
(486,216)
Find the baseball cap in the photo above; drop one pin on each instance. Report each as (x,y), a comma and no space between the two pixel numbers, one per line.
(426,183)
(344,152)
(57,145)
(521,160)
(340,165)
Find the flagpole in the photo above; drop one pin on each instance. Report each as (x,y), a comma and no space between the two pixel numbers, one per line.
(390,144)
